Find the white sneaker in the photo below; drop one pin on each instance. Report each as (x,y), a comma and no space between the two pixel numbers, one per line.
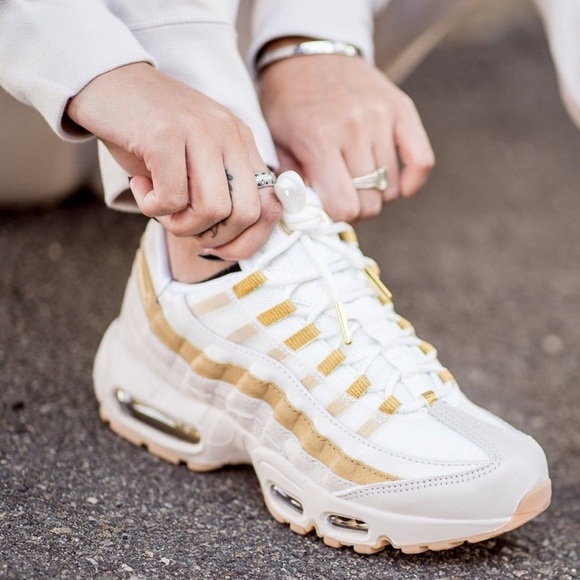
(299,365)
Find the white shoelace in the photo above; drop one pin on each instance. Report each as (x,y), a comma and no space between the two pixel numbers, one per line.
(310,227)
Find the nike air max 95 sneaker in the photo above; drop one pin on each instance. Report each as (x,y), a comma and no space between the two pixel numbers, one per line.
(299,365)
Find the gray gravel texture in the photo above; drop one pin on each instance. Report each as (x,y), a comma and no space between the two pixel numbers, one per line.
(484,262)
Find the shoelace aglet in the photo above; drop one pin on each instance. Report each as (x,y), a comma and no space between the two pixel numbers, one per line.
(343,321)
(383,291)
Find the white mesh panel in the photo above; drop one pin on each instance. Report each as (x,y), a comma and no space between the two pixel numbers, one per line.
(420,435)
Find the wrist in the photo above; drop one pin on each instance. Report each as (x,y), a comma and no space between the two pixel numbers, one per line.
(98,93)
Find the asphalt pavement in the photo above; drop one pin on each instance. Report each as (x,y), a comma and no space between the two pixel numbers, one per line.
(485,262)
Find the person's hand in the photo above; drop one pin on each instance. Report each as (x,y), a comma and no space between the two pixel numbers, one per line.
(334,118)
(192,160)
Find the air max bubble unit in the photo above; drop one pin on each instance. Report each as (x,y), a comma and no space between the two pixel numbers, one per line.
(299,365)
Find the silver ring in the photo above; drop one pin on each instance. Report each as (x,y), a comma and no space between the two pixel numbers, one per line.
(265,179)
(374,180)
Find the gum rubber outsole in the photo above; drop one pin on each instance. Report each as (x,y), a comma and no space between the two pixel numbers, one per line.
(532,504)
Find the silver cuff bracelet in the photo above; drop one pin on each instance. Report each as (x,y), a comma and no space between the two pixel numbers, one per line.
(307,48)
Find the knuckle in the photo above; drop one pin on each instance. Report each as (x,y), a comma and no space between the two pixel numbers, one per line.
(427,162)
(213,213)
(406,102)
(249,215)
(355,114)
(271,210)
(222,114)
(159,208)
(147,209)
(412,188)
(314,133)
(180,231)
(371,209)
(218,214)
(244,129)
(175,203)
(150,208)
(348,213)
(241,248)
(148,212)
(177,228)
(393,191)
(163,131)
(226,121)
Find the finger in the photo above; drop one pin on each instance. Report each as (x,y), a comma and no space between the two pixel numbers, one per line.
(415,150)
(201,214)
(360,161)
(330,178)
(245,206)
(287,161)
(140,187)
(386,156)
(209,194)
(253,238)
(176,223)
(168,191)
(242,163)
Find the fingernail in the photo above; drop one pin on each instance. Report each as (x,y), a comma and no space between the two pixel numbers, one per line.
(211,257)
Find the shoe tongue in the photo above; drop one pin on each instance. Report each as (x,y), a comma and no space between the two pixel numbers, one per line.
(295,197)
(302,204)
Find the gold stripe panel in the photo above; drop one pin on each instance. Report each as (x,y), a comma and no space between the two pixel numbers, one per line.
(249,284)
(278,353)
(210,304)
(310,381)
(369,427)
(277,313)
(331,362)
(390,405)
(359,387)
(445,376)
(315,444)
(244,333)
(302,337)
(430,397)
(426,347)
(339,405)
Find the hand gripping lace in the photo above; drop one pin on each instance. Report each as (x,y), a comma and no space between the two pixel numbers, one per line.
(311,227)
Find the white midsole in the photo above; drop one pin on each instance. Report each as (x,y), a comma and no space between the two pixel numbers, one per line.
(228,437)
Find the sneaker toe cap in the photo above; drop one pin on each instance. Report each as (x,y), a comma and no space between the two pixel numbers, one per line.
(491,491)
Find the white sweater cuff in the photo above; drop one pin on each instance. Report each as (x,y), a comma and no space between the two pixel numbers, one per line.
(53,57)
(347,20)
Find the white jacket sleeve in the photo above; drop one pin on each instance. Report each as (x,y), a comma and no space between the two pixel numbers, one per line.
(347,20)
(562,22)
(51,49)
